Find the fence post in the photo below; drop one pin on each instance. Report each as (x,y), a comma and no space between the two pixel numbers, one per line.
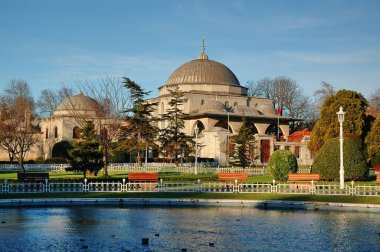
(352,188)
(274,187)
(85,188)
(312,187)
(123,189)
(47,185)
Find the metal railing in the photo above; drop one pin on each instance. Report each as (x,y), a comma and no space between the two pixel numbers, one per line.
(204,187)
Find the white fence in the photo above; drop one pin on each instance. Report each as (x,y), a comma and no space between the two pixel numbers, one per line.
(203,168)
(205,187)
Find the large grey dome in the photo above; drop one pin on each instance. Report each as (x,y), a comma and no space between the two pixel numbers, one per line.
(78,104)
(203,71)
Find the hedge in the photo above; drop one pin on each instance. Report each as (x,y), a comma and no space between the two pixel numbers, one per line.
(281,163)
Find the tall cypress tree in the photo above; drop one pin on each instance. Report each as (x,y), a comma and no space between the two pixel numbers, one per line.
(141,130)
(173,140)
(246,146)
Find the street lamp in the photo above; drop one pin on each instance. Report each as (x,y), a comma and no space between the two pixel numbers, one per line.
(340,114)
(196,131)
(228,110)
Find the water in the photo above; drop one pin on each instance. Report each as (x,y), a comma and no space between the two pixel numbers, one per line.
(229,229)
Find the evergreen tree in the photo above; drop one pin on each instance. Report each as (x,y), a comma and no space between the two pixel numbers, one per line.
(141,130)
(373,139)
(86,154)
(172,139)
(327,127)
(246,146)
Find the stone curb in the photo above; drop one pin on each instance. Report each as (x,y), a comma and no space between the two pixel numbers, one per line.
(263,204)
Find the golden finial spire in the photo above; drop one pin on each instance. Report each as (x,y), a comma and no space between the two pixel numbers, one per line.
(203,55)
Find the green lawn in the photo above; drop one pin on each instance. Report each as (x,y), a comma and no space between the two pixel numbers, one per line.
(236,196)
(166,176)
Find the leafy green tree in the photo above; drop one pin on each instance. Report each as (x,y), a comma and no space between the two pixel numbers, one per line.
(327,161)
(246,146)
(86,154)
(141,131)
(327,127)
(173,141)
(281,163)
(373,139)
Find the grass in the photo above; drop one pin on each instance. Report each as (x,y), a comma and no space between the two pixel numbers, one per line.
(232,196)
(167,177)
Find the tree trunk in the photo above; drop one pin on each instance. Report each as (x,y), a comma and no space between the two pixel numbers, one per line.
(139,164)
(21,164)
(105,161)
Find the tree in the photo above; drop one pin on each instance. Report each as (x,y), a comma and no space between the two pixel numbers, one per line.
(327,161)
(288,95)
(17,134)
(140,131)
(50,99)
(246,146)
(281,163)
(113,99)
(327,126)
(374,100)
(86,154)
(373,139)
(173,141)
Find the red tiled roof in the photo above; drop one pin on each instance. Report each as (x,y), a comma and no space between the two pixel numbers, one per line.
(298,135)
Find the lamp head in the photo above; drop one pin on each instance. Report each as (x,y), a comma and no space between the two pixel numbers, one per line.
(340,114)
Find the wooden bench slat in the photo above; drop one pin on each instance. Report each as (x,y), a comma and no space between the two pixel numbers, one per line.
(143,176)
(303,177)
(232,176)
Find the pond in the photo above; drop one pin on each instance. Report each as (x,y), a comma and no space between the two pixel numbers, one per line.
(186,229)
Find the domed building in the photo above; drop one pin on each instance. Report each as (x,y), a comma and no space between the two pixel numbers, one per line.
(216,103)
(67,120)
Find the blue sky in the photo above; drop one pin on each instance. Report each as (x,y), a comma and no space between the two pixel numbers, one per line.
(52,43)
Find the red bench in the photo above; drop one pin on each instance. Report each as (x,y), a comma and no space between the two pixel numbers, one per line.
(143,177)
(232,176)
(295,177)
(377,169)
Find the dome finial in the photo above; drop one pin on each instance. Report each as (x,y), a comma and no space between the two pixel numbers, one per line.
(203,55)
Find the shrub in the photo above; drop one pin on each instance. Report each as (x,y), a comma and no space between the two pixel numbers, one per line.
(120,157)
(281,163)
(61,149)
(327,161)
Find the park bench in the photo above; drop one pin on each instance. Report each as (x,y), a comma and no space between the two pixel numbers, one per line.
(32,176)
(233,176)
(142,180)
(295,177)
(143,177)
(377,169)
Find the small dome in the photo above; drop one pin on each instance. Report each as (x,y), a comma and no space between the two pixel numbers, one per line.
(203,71)
(212,106)
(79,103)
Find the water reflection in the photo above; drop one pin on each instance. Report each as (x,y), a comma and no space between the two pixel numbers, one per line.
(171,229)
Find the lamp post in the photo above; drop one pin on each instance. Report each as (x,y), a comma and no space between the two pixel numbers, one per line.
(196,131)
(340,114)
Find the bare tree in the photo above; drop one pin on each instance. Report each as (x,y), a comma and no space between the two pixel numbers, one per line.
(17,135)
(113,98)
(374,100)
(286,94)
(321,94)
(50,99)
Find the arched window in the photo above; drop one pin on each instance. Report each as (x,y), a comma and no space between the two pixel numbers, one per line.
(55,132)
(202,102)
(46,133)
(200,125)
(236,104)
(76,132)
(227,104)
